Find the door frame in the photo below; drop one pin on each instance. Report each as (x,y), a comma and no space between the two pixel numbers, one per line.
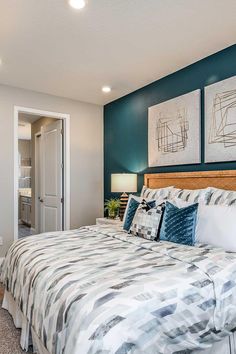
(36,181)
(66,151)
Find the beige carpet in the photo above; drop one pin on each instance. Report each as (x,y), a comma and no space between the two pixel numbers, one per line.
(9,335)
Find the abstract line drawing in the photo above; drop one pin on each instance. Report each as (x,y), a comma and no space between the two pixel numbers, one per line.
(174,131)
(220,121)
(223,123)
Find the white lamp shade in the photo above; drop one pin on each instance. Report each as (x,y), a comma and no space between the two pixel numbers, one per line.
(123,182)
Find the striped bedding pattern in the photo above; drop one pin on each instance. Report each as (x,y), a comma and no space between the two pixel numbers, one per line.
(191,195)
(99,290)
(150,194)
(221,197)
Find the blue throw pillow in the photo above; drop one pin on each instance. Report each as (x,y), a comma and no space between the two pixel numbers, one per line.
(179,224)
(132,207)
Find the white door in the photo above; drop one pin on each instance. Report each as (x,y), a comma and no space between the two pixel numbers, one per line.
(51,178)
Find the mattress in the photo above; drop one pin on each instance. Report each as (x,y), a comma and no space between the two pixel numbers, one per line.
(99,290)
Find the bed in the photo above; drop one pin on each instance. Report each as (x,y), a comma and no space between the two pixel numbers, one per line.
(98,290)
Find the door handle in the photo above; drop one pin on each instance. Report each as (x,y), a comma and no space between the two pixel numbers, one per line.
(41,200)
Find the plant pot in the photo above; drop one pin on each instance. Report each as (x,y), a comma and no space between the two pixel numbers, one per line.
(112,214)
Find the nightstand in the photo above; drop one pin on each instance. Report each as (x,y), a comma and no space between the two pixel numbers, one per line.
(106,221)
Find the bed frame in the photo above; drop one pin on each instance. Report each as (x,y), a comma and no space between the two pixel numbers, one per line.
(192,180)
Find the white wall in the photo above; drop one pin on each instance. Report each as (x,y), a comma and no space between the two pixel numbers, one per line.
(24,131)
(86,139)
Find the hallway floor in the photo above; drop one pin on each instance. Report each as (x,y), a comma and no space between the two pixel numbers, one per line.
(24,230)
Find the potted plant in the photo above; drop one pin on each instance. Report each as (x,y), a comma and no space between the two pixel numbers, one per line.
(112,207)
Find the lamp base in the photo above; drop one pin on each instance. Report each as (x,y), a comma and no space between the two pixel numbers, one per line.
(123,203)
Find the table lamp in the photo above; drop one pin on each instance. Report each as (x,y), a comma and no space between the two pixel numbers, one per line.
(123,183)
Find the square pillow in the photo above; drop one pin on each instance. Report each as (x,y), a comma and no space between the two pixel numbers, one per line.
(216,226)
(179,224)
(221,197)
(162,193)
(147,221)
(131,196)
(132,206)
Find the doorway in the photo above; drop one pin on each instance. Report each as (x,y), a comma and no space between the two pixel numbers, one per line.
(42,174)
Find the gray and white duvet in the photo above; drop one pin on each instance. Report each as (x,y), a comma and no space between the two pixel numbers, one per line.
(98,290)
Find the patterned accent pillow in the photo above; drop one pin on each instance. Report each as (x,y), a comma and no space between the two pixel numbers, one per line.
(221,197)
(147,221)
(131,208)
(191,195)
(161,193)
(179,224)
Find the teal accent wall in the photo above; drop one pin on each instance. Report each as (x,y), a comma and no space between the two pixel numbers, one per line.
(126,119)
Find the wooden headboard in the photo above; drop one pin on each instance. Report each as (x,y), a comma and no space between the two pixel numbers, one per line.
(192,180)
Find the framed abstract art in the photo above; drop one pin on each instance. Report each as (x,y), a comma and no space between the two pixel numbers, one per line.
(174,131)
(220,121)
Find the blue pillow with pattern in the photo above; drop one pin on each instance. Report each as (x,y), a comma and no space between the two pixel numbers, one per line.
(132,207)
(179,224)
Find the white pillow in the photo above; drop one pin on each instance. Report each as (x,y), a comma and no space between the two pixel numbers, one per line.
(150,193)
(180,203)
(216,226)
(191,195)
(221,197)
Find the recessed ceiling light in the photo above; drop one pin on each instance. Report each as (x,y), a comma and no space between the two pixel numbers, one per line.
(106,89)
(77,4)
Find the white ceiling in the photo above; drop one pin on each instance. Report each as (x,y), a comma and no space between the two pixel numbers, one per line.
(28,118)
(47,46)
